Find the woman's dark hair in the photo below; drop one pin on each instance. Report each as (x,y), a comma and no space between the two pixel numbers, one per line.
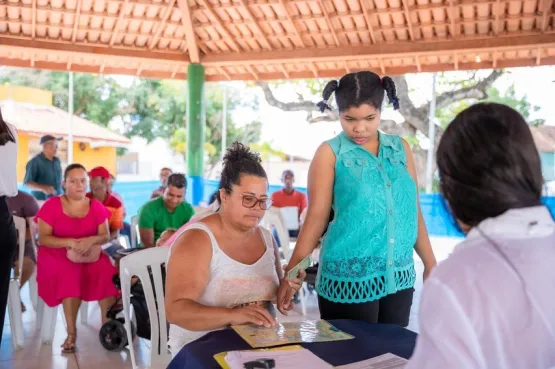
(6,135)
(239,160)
(355,89)
(488,163)
(71,167)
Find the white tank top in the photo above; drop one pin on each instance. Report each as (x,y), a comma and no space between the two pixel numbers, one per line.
(231,283)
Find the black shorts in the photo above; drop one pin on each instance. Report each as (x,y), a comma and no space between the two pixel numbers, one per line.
(390,309)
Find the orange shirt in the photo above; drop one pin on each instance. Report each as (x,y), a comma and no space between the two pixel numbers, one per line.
(282,199)
(115,207)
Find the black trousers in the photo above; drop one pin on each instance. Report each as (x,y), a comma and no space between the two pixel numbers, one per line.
(8,242)
(390,309)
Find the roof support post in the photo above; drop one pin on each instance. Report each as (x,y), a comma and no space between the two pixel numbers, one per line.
(196,123)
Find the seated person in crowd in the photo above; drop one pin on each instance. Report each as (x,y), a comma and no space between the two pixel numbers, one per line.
(99,178)
(25,206)
(126,230)
(165,236)
(490,304)
(225,269)
(165,173)
(289,197)
(73,227)
(168,211)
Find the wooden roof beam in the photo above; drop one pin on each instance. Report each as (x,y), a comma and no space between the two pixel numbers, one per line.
(118,22)
(160,26)
(292,22)
(253,73)
(545,8)
(284,70)
(229,38)
(499,8)
(190,36)
(368,20)
(256,25)
(76,21)
(313,69)
(409,19)
(452,18)
(223,72)
(328,20)
(34,16)
(383,50)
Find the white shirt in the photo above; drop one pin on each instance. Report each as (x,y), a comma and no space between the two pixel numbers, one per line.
(477,312)
(8,166)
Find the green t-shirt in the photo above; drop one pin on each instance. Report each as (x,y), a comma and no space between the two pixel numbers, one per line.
(154,215)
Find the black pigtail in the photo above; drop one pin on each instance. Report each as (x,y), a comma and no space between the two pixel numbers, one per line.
(391,91)
(328,91)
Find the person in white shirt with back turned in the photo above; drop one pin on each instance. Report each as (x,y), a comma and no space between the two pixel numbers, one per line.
(8,188)
(491,304)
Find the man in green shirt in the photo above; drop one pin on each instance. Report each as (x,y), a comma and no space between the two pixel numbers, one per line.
(168,211)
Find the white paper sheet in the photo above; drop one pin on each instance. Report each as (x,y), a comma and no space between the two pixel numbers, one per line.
(288,359)
(386,361)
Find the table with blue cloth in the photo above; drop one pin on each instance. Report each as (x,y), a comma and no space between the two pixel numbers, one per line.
(370,340)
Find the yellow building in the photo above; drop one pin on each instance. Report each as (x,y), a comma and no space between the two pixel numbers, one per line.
(31,112)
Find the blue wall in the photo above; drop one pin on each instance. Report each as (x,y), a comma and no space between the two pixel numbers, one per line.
(438,221)
(548,165)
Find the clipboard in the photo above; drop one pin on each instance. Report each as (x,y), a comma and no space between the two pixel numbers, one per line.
(220,358)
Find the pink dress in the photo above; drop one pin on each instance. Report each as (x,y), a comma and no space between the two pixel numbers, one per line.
(58,277)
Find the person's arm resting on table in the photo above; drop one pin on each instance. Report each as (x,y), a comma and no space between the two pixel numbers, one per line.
(320,192)
(188,273)
(146,226)
(423,246)
(447,338)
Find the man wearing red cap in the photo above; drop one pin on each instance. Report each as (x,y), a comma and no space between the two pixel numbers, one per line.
(99,178)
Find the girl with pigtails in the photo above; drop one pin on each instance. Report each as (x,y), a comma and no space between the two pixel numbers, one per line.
(368,178)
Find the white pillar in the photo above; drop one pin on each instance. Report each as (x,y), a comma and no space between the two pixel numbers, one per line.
(70,130)
(224,122)
(432,137)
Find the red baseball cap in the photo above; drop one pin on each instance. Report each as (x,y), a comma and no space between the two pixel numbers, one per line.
(99,172)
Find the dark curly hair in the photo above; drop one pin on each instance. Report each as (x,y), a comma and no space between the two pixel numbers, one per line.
(355,89)
(239,160)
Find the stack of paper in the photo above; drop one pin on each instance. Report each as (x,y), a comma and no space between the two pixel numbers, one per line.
(291,359)
(387,361)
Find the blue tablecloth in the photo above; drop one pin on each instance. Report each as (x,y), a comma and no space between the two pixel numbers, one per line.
(370,340)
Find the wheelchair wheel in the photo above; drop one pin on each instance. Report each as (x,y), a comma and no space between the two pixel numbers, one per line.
(133,328)
(113,335)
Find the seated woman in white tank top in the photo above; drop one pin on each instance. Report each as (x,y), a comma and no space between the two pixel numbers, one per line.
(225,269)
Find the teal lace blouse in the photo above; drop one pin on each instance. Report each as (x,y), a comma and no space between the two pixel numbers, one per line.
(367,252)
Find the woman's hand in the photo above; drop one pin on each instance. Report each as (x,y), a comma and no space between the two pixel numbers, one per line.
(427,270)
(286,291)
(252,314)
(78,246)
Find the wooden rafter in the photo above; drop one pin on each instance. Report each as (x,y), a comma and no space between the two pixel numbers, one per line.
(254,74)
(34,19)
(229,38)
(456,61)
(499,7)
(418,65)
(222,71)
(190,36)
(115,31)
(408,18)
(546,6)
(382,66)
(538,56)
(368,20)
(328,20)
(256,25)
(292,22)
(284,70)
(313,69)
(494,62)
(76,20)
(160,26)
(452,18)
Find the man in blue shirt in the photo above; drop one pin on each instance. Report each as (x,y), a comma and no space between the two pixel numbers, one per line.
(43,173)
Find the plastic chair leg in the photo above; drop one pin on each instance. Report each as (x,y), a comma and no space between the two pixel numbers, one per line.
(84,311)
(33,290)
(14,312)
(48,325)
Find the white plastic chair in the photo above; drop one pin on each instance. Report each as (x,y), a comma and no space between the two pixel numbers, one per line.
(134,231)
(47,317)
(274,218)
(14,299)
(137,264)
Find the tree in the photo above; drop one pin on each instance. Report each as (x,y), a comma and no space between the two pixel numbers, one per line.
(451,91)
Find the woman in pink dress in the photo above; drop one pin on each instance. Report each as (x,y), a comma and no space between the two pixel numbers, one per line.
(73,223)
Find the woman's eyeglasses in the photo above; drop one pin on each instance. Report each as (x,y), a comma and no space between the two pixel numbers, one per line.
(250,202)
